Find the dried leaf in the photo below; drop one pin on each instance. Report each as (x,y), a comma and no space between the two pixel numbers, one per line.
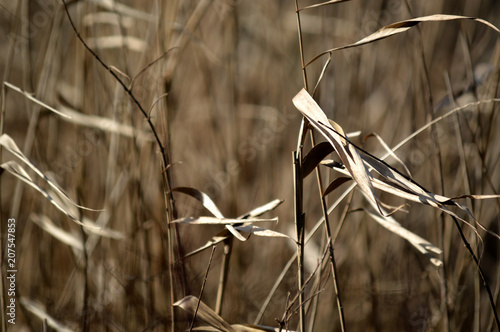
(8,143)
(192,304)
(104,124)
(107,42)
(33,99)
(40,311)
(395,28)
(260,231)
(323,4)
(335,184)
(389,151)
(203,198)
(315,156)
(46,224)
(218,238)
(220,221)
(261,209)
(346,151)
(421,244)
(15,169)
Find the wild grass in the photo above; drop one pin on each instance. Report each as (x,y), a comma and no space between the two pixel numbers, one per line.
(146,159)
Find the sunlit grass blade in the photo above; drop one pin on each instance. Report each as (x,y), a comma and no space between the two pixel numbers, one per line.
(261,209)
(346,151)
(192,304)
(39,310)
(399,27)
(220,221)
(203,198)
(8,143)
(33,99)
(65,237)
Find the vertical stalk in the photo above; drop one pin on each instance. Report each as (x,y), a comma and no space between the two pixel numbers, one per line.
(328,232)
(298,188)
(299,225)
(228,246)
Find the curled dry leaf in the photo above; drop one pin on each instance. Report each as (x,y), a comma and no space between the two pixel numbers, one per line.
(204,199)
(232,225)
(8,143)
(346,151)
(315,156)
(402,26)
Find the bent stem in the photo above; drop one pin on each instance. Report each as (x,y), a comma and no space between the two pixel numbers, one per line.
(165,169)
(480,270)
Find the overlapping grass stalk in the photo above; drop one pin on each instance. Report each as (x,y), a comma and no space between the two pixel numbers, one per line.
(146,159)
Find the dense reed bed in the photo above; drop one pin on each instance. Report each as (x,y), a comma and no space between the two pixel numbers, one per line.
(166,171)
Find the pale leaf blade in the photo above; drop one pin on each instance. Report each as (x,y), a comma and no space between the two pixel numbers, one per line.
(402,26)
(260,231)
(262,209)
(8,143)
(346,151)
(38,310)
(192,304)
(33,99)
(204,199)
(203,220)
(46,224)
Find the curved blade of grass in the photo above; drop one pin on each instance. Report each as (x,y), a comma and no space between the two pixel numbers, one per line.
(392,225)
(204,199)
(94,228)
(315,156)
(132,43)
(104,124)
(326,3)
(427,198)
(38,310)
(15,169)
(261,209)
(220,221)
(402,26)
(218,238)
(346,151)
(388,150)
(236,233)
(260,231)
(191,304)
(125,10)
(335,184)
(46,224)
(411,186)
(36,101)
(242,328)
(8,143)
(418,242)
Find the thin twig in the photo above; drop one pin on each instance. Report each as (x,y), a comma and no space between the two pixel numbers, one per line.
(202,287)
(328,234)
(481,273)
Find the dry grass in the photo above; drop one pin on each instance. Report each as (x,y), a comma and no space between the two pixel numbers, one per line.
(215,81)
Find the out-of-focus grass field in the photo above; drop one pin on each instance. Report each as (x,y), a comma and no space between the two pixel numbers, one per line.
(217,78)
